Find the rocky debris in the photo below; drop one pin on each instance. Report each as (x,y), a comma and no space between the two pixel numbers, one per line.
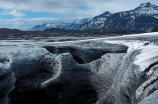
(7,81)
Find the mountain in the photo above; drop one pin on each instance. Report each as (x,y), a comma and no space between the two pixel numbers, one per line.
(74,24)
(142,18)
(146,8)
(130,23)
(97,22)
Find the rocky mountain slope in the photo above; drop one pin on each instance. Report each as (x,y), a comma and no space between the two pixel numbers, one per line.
(97,22)
(74,24)
(142,18)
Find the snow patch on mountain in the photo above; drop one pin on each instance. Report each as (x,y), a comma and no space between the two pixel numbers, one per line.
(147,8)
(74,24)
(97,22)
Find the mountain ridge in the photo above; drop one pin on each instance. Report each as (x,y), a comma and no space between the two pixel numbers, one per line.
(128,20)
(142,18)
(74,24)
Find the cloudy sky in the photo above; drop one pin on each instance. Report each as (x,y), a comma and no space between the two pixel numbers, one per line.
(24,14)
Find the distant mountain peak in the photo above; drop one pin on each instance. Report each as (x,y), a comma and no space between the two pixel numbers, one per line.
(147,9)
(107,13)
(145,4)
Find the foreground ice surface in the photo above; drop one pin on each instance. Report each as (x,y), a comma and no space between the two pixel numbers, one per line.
(147,56)
(118,70)
(7,80)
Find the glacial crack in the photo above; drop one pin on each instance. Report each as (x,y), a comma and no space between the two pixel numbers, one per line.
(83,54)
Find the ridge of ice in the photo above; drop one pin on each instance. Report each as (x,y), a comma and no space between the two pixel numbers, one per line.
(147,56)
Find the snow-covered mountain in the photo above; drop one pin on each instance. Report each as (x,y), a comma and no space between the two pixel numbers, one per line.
(74,24)
(147,8)
(97,22)
(142,18)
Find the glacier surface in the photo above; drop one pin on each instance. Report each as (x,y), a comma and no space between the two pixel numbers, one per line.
(117,70)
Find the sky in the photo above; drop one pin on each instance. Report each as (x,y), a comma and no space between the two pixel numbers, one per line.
(24,14)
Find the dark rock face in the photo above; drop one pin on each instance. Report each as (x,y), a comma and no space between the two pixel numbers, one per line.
(154,30)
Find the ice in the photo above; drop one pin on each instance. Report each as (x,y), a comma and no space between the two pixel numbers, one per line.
(147,56)
(148,53)
(3,69)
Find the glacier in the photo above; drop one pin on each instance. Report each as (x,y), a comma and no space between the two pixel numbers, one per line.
(116,70)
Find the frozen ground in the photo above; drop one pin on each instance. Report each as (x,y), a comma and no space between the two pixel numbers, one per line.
(115,70)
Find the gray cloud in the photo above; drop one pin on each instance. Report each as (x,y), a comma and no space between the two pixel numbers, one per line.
(25,24)
(72,7)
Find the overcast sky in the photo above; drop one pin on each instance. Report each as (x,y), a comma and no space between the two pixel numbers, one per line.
(23,14)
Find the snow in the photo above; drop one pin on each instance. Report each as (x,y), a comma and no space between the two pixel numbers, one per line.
(147,56)
(148,9)
(97,22)
(132,44)
(148,53)
(62,25)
